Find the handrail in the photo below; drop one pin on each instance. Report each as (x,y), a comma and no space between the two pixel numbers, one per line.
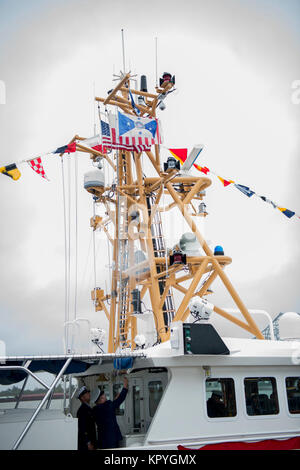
(70,322)
(259,312)
(21,392)
(82,319)
(27,371)
(76,323)
(78,357)
(33,417)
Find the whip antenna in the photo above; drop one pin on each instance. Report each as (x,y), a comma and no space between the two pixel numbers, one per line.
(123,50)
(156,77)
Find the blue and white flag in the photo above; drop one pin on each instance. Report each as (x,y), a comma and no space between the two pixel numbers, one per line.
(268,201)
(244,189)
(132,133)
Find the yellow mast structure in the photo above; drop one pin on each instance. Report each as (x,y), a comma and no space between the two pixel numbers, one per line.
(143,194)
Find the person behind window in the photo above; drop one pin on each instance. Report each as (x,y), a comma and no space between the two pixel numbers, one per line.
(255,403)
(296,391)
(230,408)
(104,413)
(86,423)
(215,406)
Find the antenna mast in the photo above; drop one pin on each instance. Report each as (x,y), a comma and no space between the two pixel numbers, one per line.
(133,211)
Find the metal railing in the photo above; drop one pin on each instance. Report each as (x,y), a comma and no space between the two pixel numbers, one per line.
(40,406)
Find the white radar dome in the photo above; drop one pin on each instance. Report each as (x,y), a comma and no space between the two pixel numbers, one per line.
(94,181)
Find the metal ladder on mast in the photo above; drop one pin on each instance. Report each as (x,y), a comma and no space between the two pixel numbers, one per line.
(159,248)
(123,284)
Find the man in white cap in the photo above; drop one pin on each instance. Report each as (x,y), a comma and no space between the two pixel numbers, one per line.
(86,423)
(104,412)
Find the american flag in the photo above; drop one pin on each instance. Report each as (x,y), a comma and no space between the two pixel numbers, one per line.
(140,135)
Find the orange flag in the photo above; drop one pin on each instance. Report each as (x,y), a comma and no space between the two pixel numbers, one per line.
(204,169)
(225,182)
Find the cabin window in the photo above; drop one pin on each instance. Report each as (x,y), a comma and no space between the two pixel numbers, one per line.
(261,396)
(293,394)
(220,398)
(155,393)
(136,394)
(105,388)
(116,391)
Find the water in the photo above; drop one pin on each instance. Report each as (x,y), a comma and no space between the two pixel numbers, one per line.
(55,405)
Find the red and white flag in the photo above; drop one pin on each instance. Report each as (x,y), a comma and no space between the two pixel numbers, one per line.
(36,165)
(94,143)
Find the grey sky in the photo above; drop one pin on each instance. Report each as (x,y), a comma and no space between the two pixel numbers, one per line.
(234,61)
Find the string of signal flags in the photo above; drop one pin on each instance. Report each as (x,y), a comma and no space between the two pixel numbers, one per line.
(36,164)
(180,154)
(13,172)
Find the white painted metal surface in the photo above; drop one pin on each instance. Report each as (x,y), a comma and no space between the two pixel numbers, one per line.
(52,430)
(181,416)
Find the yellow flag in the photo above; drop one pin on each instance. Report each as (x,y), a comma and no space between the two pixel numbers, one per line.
(11,171)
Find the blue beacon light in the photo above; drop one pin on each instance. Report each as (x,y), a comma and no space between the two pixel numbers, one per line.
(218,251)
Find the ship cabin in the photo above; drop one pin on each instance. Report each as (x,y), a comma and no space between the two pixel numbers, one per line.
(241,392)
(251,394)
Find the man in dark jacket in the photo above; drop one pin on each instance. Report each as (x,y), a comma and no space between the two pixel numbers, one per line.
(86,423)
(104,412)
(215,407)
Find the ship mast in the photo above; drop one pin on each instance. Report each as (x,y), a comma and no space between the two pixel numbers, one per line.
(136,217)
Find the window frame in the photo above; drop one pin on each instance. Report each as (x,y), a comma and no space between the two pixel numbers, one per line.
(291,415)
(269,416)
(148,393)
(140,385)
(220,418)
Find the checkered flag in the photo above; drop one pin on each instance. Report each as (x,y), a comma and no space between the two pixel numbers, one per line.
(36,165)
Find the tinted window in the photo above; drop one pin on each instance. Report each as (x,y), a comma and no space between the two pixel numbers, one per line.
(220,398)
(293,394)
(136,407)
(155,394)
(261,396)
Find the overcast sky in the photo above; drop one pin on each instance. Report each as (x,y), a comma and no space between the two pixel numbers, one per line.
(235,63)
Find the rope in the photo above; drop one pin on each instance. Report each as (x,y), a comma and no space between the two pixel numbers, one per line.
(76,234)
(69,236)
(94,252)
(166,249)
(66,251)
(83,278)
(94,107)
(109,260)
